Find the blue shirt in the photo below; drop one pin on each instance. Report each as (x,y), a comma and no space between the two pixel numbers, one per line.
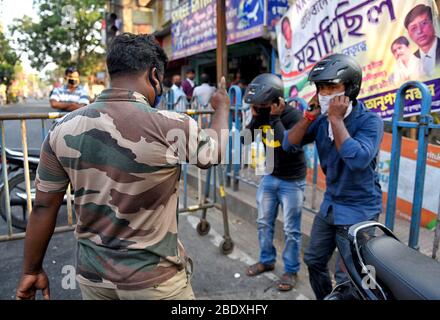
(63,94)
(353,190)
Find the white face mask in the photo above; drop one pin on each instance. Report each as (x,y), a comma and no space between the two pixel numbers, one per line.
(324,101)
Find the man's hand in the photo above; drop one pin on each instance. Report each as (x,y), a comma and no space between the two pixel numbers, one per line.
(338,107)
(220,99)
(65,106)
(39,230)
(276,109)
(30,283)
(219,125)
(314,108)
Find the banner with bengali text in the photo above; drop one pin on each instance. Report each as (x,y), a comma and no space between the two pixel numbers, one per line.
(394,41)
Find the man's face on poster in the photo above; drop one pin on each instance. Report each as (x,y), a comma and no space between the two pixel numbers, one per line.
(287,32)
(400,51)
(421,30)
(293,92)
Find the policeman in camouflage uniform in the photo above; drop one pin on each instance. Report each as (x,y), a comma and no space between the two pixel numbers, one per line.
(122,157)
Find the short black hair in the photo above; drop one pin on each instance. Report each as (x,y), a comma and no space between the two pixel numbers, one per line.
(70,70)
(134,54)
(190,71)
(400,40)
(417,11)
(204,78)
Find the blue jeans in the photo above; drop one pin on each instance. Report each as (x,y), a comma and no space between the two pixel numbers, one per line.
(290,194)
(324,239)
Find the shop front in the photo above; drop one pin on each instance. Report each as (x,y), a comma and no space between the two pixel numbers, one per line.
(250,36)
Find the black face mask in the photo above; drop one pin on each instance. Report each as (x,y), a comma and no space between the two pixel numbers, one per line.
(157,96)
(72,82)
(263,111)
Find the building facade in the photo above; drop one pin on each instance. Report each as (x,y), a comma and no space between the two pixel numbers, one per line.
(186,29)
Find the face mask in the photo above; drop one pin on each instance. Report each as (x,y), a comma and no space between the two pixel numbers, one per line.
(324,101)
(263,111)
(72,82)
(157,101)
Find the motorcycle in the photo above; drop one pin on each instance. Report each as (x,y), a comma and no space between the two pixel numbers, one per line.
(380,267)
(17,186)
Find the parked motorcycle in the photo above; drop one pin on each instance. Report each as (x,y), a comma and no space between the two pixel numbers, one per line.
(17,186)
(380,267)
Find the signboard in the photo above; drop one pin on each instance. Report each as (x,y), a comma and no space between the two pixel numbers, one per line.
(275,10)
(389,39)
(142,17)
(194,30)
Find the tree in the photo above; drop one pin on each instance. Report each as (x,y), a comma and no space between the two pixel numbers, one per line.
(8,60)
(68,33)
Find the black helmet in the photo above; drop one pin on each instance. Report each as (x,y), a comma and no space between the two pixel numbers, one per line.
(338,68)
(265,88)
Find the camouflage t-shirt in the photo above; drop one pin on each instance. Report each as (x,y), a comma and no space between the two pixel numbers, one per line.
(123,158)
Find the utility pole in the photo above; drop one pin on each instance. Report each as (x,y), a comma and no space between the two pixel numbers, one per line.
(221,53)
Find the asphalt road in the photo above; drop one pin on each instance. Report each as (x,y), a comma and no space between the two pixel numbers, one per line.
(33,127)
(216,276)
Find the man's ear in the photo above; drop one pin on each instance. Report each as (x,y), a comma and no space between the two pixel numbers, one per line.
(155,78)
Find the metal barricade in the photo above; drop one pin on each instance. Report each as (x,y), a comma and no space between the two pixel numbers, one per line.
(205,202)
(29,194)
(424,126)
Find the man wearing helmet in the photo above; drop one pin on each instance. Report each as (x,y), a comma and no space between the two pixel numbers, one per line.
(348,139)
(283,184)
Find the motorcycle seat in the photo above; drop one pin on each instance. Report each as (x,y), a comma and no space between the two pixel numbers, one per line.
(18,155)
(407,273)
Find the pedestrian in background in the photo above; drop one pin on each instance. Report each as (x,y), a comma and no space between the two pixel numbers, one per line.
(203,93)
(201,96)
(179,97)
(188,84)
(72,95)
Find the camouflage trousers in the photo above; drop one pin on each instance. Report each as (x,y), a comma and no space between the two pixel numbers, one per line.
(176,288)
